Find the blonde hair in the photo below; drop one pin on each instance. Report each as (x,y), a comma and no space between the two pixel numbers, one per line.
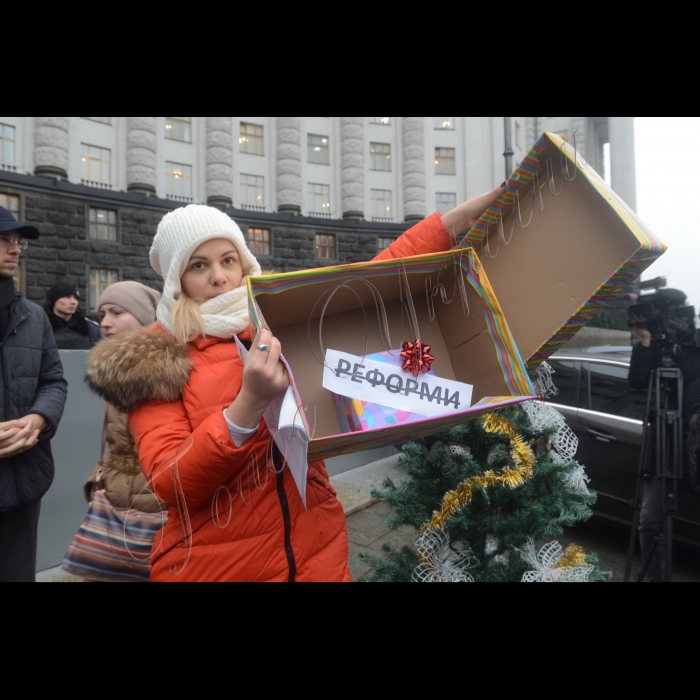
(187,321)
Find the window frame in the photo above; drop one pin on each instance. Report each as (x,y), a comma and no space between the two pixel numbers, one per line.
(117,212)
(88,269)
(317,246)
(269,243)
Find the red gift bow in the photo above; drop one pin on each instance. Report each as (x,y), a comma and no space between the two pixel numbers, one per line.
(417,358)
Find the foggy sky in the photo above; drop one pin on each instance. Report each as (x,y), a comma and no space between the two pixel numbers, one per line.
(668,196)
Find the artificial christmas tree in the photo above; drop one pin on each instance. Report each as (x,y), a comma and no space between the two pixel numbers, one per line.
(481,495)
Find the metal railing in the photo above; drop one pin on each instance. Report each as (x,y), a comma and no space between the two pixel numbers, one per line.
(179,198)
(98,185)
(9,168)
(252,207)
(383,219)
(321,214)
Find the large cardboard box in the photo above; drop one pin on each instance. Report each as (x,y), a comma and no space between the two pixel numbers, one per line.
(477,349)
(573,246)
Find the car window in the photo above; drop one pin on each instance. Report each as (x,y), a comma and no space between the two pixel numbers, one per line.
(566,377)
(609,392)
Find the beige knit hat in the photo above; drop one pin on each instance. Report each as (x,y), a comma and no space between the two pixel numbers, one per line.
(182,231)
(135,298)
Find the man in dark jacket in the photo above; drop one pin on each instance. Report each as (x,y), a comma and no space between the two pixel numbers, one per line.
(32,398)
(645,359)
(71,329)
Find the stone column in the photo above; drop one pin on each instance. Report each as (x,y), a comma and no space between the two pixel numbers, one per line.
(220,161)
(141,141)
(352,137)
(414,169)
(622,159)
(51,147)
(289,195)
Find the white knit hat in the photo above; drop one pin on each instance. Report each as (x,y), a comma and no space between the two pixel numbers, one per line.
(179,235)
(182,231)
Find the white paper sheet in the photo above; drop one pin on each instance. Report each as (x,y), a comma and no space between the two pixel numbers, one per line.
(384,385)
(283,419)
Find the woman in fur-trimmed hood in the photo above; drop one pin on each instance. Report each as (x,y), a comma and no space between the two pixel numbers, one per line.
(196,413)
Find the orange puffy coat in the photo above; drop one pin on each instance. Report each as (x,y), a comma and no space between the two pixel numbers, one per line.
(265,534)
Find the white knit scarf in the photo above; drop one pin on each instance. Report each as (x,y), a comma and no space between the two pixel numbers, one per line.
(224,316)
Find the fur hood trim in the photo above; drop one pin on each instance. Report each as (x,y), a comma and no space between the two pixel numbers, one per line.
(143,366)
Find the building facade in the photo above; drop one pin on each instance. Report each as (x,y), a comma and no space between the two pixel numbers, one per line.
(307,191)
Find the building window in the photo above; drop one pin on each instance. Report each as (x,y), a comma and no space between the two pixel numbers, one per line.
(445,201)
(252,139)
(384,243)
(445,123)
(253,192)
(319,199)
(100,279)
(445,161)
(386,121)
(7,144)
(325,247)
(178,180)
(178,129)
(380,156)
(11,203)
(259,241)
(381,204)
(103,224)
(318,151)
(97,163)
(101,120)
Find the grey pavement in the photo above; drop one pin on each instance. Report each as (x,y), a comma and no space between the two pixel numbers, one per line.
(368,531)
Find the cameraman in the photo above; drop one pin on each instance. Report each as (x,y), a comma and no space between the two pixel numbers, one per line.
(645,359)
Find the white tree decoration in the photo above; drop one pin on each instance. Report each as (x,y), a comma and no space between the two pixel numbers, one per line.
(544,565)
(564,442)
(577,481)
(441,564)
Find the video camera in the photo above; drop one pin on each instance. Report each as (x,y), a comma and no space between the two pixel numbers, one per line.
(664,313)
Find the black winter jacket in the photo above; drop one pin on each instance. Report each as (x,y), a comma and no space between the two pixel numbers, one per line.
(79,333)
(645,360)
(32,382)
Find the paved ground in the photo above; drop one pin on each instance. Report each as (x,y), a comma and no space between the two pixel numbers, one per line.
(367,529)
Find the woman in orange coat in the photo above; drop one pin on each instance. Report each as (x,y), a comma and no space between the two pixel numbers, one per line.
(196,412)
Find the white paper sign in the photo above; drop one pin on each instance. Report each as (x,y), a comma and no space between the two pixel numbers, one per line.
(284,422)
(386,385)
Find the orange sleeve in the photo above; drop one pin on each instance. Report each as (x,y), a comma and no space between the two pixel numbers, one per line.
(429,236)
(209,457)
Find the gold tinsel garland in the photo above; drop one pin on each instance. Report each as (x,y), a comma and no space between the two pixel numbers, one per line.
(574,558)
(511,478)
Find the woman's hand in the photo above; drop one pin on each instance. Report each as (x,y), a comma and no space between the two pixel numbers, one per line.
(264,379)
(466,215)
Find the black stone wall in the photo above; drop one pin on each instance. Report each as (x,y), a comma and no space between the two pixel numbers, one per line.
(60,210)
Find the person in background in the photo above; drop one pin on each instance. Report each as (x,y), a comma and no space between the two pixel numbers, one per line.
(124,307)
(72,330)
(189,394)
(32,399)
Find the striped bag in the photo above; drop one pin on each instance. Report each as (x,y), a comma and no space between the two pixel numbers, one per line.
(113,545)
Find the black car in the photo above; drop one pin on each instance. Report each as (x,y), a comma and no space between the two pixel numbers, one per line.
(608,418)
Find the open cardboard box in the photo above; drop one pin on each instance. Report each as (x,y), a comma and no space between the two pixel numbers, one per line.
(477,349)
(581,250)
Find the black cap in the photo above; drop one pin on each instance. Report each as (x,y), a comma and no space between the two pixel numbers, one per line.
(60,290)
(9,223)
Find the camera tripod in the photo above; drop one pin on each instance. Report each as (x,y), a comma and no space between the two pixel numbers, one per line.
(662,460)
